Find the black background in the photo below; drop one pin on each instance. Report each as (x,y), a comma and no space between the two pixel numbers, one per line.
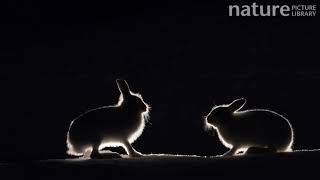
(61,58)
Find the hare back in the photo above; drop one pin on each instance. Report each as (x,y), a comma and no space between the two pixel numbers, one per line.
(104,124)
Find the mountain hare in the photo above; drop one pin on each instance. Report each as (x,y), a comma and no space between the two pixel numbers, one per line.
(109,126)
(256,128)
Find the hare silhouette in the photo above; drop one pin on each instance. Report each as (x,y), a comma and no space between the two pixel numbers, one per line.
(256,128)
(109,126)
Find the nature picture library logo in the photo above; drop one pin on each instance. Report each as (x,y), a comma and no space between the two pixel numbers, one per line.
(273,10)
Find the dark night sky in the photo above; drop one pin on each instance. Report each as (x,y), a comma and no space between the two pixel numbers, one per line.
(60,58)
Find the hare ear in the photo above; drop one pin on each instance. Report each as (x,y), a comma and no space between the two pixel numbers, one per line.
(123,86)
(237,104)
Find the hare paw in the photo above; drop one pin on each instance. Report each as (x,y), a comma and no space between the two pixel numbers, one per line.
(135,154)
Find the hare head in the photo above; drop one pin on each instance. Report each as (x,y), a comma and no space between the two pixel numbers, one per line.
(222,113)
(130,99)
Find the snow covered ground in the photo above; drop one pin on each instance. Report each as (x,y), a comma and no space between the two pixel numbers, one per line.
(298,163)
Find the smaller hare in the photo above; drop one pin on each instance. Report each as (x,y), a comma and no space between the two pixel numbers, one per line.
(256,128)
(108,126)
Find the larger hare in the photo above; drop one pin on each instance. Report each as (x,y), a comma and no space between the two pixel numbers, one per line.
(256,128)
(116,125)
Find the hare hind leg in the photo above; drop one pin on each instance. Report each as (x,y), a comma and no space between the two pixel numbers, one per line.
(96,154)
